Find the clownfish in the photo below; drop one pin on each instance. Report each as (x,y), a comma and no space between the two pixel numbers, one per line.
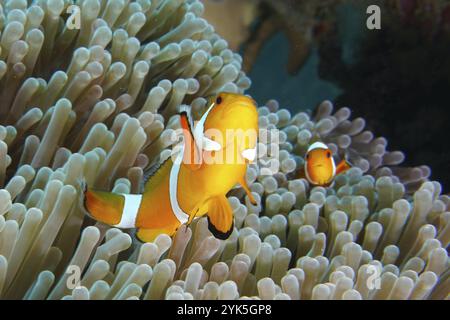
(189,187)
(320,168)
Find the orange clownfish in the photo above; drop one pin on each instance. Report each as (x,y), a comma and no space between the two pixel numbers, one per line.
(189,186)
(320,168)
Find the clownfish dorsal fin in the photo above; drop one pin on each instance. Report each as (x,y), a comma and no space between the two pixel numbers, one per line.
(191,153)
(220,217)
(157,172)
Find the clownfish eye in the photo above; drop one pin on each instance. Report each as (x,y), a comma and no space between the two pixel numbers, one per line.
(219,100)
(328,154)
(307,156)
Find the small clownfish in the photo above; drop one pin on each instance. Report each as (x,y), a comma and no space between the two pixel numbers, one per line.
(180,190)
(320,168)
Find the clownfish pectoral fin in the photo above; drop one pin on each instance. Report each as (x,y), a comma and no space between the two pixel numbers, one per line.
(191,156)
(244,185)
(220,217)
(191,218)
(343,166)
(199,210)
(155,175)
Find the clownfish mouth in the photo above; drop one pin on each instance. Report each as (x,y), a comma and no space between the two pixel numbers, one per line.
(319,165)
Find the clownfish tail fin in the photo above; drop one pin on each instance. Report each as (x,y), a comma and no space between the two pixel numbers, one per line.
(343,166)
(119,210)
(103,206)
(348,163)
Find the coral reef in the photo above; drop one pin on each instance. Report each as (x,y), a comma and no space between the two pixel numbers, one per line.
(304,23)
(110,115)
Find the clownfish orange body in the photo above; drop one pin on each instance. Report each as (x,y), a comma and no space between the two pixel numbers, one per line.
(320,168)
(189,186)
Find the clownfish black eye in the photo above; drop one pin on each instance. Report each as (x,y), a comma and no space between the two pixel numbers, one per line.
(219,100)
(328,154)
(307,156)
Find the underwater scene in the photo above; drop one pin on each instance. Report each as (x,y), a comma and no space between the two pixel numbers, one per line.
(224,150)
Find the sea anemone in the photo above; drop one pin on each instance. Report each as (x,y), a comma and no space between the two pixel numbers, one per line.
(112,113)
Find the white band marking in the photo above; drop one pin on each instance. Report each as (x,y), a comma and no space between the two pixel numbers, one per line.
(317,145)
(173,187)
(333,166)
(204,143)
(130,210)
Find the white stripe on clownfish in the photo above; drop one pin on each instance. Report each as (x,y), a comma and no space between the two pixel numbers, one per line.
(317,145)
(173,188)
(333,166)
(131,206)
(204,143)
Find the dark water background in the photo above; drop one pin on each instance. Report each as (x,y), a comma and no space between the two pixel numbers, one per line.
(300,92)
(306,89)
(400,85)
